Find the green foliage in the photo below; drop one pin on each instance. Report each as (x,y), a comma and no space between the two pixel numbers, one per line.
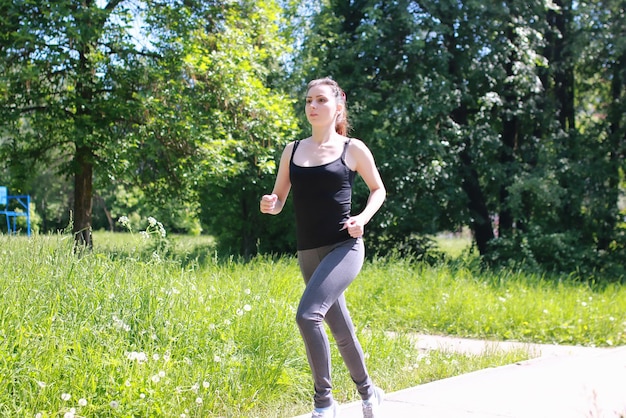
(507,119)
(245,124)
(483,116)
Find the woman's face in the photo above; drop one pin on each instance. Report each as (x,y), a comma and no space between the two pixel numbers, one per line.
(321,105)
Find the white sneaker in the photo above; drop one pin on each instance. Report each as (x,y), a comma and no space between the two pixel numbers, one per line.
(330,412)
(371,406)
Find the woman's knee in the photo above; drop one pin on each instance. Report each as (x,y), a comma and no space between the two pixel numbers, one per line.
(306,318)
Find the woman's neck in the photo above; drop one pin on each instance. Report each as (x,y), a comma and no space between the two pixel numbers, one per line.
(322,136)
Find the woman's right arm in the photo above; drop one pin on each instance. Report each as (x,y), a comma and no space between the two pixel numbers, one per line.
(273,203)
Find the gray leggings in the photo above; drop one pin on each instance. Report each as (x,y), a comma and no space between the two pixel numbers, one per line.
(327,273)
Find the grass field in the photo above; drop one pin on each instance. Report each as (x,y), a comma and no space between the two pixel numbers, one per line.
(152,326)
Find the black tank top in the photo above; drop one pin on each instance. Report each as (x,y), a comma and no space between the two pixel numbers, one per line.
(322,198)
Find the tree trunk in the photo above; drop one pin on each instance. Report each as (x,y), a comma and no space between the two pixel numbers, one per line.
(480,222)
(83,177)
(617,148)
(509,143)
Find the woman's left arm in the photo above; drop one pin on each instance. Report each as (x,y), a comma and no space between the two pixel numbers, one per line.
(366,167)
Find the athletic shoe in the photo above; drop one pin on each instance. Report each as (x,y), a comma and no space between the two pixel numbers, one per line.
(330,412)
(371,406)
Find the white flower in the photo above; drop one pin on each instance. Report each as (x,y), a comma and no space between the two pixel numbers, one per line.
(152,221)
(135,356)
(199,401)
(247,291)
(206,384)
(114,404)
(156,378)
(66,396)
(41,384)
(247,308)
(217,359)
(82,402)
(124,220)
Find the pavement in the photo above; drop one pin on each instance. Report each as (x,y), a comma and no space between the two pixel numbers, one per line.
(558,382)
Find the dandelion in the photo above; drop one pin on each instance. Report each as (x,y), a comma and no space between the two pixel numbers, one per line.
(206,384)
(70,414)
(195,387)
(156,378)
(114,404)
(137,356)
(41,384)
(247,291)
(38,415)
(199,401)
(142,396)
(217,359)
(161,374)
(155,356)
(66,396)
(82,402)
(239,312)
(247,308)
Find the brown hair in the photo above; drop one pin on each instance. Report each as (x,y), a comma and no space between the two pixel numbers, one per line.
(342,125)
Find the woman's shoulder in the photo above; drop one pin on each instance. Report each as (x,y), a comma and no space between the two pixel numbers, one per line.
(357,144)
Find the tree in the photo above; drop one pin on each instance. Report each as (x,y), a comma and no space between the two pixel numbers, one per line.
(246,122)
(475,115)
(170,96)
(70,74)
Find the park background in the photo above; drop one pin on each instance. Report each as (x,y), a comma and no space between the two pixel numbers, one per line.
(505,121)
(145,133)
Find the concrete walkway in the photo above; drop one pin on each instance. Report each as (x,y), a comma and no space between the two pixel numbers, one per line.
(560,382)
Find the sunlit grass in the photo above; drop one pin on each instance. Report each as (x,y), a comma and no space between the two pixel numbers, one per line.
(136,328)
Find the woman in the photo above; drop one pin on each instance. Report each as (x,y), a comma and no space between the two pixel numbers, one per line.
(321,169)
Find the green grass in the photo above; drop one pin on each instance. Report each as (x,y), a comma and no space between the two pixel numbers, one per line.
(145,327)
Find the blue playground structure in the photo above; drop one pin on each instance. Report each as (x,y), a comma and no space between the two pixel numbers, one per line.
(18,201)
